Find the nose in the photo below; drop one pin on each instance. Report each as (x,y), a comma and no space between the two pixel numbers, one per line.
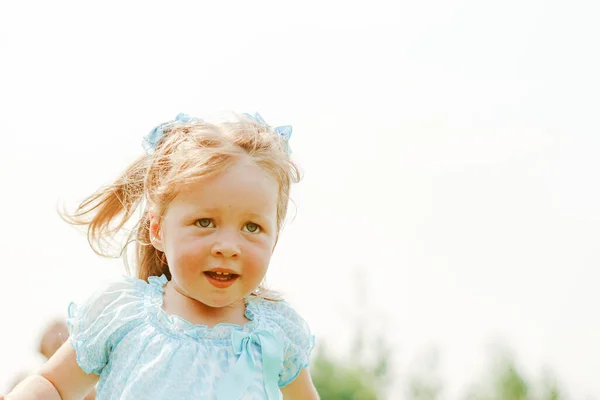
(226,245)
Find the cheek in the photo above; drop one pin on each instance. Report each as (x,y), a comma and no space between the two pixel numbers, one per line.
(187,255)
(258,260)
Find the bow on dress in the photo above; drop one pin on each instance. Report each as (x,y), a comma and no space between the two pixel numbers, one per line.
(234,384)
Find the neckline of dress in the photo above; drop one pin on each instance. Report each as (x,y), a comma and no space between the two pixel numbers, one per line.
(182,327)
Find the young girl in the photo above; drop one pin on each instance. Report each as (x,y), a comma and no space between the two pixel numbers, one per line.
(196,323)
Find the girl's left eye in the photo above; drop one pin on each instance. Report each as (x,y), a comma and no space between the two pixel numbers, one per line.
(204,223)
(252,227)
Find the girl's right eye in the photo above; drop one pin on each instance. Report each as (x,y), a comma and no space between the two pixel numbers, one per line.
(205,223)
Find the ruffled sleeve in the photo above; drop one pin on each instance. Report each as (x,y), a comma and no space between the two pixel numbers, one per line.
(298,340)
(97,326)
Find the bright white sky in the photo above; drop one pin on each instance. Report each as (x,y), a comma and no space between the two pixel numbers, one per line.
(450,148)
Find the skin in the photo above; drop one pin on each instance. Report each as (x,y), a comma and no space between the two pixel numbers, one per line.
(227,221)
(54,336)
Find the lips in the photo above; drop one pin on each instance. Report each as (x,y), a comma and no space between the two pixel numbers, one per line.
(221,278)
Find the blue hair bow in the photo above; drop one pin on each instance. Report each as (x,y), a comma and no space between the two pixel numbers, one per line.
(285,131)
(152,139)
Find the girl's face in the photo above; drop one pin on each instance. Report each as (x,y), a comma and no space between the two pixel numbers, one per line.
(218,234)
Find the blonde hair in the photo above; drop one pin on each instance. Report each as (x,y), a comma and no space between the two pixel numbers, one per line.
(185,153)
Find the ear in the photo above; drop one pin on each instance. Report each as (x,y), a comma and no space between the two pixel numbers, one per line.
(155,231)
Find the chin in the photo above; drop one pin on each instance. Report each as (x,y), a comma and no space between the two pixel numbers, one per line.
(220,301)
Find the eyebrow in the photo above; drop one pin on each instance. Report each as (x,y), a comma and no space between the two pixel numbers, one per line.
(216,210)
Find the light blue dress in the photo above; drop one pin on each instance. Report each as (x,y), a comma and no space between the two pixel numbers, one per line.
(122,334)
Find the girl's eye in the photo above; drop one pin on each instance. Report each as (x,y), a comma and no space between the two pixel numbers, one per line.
(204,223)
(252,227)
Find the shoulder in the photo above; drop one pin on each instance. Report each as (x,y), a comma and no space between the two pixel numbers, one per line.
(121,291)
(129,284)
(298,340)
(97,325)
(123,296)
(284,315)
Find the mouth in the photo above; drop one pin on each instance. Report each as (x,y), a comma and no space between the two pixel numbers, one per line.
(221,279)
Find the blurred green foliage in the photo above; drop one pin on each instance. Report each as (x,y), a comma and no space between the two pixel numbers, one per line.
(506,381)
(366,373)
(337,379)
(362,375)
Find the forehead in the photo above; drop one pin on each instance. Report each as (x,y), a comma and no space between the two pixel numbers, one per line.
(243,187)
